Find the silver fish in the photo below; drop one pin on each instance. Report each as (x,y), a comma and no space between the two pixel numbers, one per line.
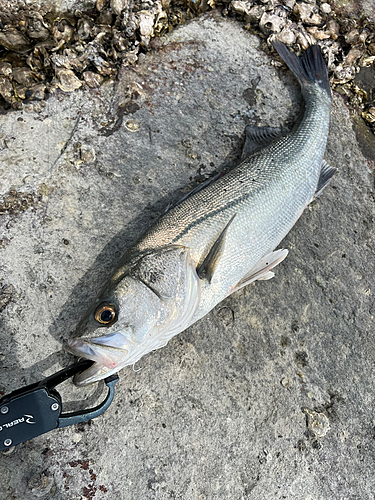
(216,241)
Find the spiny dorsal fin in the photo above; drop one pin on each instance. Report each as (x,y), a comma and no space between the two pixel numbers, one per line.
(208,266)
(257,137)
(198,188)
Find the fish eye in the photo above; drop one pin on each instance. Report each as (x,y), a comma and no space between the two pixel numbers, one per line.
(105,314)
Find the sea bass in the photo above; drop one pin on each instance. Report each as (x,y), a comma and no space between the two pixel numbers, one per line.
(215,241)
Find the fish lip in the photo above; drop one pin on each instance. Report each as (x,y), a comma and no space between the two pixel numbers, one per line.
(100,349)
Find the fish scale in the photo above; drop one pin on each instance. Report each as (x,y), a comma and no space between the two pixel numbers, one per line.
(216,240)
(267,192)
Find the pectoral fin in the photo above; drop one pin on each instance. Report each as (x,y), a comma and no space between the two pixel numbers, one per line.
(262,270)
(208,266)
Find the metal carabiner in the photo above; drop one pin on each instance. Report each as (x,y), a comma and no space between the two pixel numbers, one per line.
(36,409)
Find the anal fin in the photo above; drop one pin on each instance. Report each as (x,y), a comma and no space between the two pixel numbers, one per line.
(208,266)
(326,174)
(262,269)
(257,137)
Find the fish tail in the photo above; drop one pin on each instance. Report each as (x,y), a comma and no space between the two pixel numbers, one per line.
(308,69)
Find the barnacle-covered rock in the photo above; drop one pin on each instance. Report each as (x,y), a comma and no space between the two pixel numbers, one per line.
(325,8)
(6,89)
(241,7)
(287,36)
(369,115)
(255,13)
(333,29)
(24,76)
(146,25)
(37,92)
(92,79)
(289,4)
(118,6)
(271,23)
(161,24)
(62,33)
(14,40)
(343,73)
(105,18)
(352,37)
(67,80)
(131,57)
(120,43)
(5,69)
(367,61)
(84,28)
(304,38)
(101,5)
(308,13)
(37,29)
(317,33)
(354,54)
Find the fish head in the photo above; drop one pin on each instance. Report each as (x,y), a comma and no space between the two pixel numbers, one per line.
(140,309)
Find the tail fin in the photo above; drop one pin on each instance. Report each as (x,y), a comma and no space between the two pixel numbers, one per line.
(310,68)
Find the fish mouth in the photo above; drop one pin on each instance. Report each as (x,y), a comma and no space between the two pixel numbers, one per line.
(108,351)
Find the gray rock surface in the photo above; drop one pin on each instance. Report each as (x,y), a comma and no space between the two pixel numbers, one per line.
(269,396)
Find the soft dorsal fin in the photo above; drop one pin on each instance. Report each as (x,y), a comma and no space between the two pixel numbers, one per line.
(208,266)
(257,137)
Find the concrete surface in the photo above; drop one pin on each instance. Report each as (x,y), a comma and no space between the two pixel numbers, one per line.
(269,396)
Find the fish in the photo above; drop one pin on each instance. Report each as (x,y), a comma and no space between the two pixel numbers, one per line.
(217,240)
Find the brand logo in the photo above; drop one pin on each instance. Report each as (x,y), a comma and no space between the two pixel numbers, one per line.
(27,419)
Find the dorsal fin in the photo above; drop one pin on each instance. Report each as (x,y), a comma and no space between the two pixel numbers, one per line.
(258,137)
(208,266)
(198,188)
